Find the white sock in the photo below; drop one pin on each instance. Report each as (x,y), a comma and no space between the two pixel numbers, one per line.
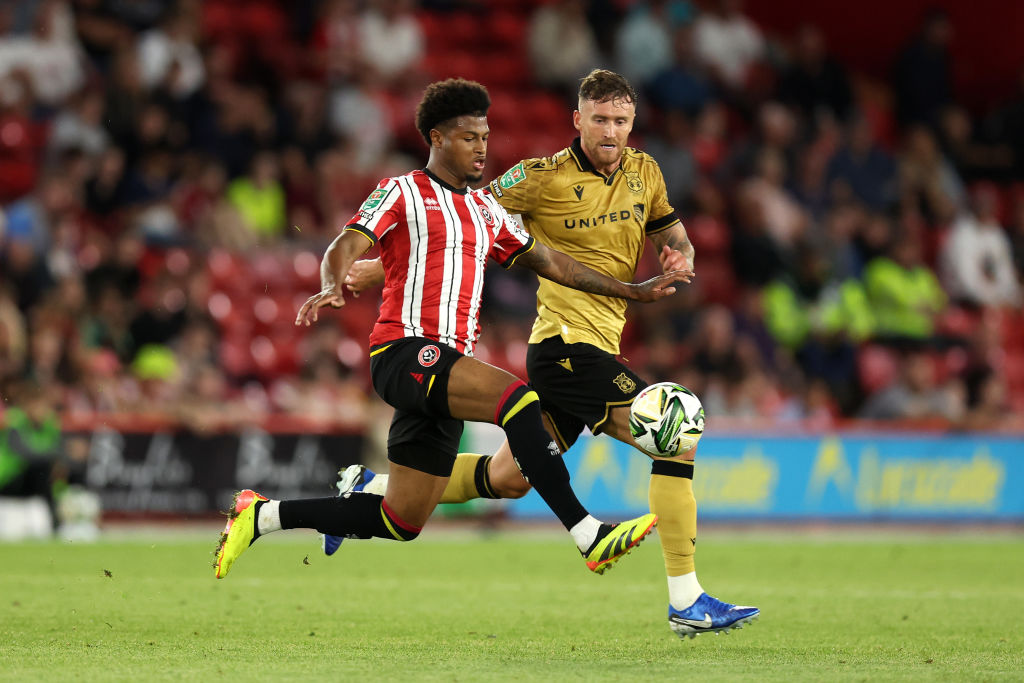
(585,531)
(683,590)
(269,517)
(377,485)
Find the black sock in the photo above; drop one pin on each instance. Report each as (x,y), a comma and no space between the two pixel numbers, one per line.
(357,515)
(482,478)
(536,454)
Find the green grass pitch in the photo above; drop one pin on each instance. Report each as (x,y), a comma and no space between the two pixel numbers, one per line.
(459,607)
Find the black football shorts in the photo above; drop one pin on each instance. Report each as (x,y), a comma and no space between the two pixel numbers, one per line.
(578,385)
(411,375)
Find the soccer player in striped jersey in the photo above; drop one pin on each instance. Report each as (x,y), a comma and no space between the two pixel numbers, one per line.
(597,200)
(435,236)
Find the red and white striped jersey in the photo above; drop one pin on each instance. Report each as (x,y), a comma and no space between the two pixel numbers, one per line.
(434,243)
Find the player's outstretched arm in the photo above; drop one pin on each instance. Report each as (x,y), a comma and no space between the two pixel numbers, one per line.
(675,252)
(565,270)
(364,274)
(338,259)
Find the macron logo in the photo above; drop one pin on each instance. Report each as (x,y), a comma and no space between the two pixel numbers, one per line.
(431,204)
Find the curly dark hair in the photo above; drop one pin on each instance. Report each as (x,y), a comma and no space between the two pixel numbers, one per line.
(446,100)
(601,85)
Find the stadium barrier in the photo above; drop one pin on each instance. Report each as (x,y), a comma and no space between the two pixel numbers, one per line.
(842,476)
(859,473)
(160,469)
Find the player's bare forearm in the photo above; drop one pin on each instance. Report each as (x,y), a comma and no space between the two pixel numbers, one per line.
(555,266)
(364,274)
(339,257)
(676,239)
(567,271)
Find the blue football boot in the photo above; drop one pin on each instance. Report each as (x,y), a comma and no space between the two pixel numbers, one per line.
(352,478)
(708,614)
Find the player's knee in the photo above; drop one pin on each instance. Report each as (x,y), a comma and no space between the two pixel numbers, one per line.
(512,488)
(397,528)
(517,400)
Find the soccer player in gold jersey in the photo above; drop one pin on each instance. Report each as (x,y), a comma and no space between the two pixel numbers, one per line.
(596,200)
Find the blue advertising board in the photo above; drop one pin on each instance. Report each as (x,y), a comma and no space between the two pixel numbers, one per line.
(845,476)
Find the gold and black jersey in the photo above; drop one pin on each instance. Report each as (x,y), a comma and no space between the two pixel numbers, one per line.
(601,221)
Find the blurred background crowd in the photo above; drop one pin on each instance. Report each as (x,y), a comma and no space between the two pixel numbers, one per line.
(170,172)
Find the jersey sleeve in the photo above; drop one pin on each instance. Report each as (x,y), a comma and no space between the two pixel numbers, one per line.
(510,241)
(520,188)
(380,212)
(662,215)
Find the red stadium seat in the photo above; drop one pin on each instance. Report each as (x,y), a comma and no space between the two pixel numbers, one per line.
(1013,367)
(709,235)
(507,30)
(716,281)
(505,70)
(957,322)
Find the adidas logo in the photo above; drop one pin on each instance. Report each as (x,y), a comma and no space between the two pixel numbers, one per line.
(618,547)
(431,204)
(418,376)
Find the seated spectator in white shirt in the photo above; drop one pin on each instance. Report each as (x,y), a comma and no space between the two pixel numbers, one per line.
(728,42)
(562,45)
(977,258)
(392,41)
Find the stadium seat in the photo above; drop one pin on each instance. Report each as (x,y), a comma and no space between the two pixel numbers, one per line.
(1013,367)
(716,280)
(547,112)
(467,31)
(510,70)
(306,267)
(1012,329)
(710,236)
(957,322)
(507,30)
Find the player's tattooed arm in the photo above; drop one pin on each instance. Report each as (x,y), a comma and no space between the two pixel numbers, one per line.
(565,270)
(675,251)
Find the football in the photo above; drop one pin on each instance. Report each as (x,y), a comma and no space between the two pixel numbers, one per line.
(666,419)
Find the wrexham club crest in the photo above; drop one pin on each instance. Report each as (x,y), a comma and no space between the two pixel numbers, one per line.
(625,383)
(633,181)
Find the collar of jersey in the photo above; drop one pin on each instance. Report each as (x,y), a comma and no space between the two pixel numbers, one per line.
(576,150)
(450,188)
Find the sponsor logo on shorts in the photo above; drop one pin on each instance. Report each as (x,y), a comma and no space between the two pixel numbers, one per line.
(429,355)
(625,383)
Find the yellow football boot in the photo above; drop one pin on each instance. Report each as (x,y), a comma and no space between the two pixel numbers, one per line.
(239,532)
(618,542)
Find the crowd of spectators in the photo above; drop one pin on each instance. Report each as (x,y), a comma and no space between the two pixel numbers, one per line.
(170,171)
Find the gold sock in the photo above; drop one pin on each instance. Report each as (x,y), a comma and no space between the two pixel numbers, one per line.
(671,498)
(469,479)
